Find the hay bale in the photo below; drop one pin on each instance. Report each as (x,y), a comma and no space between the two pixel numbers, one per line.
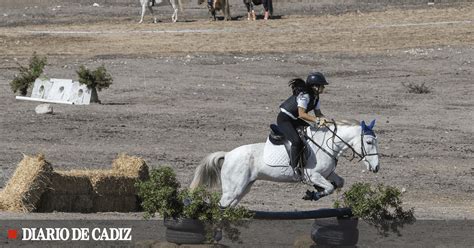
(131,166)
(107,182)
(50,202)
(65,182)
(114,185)
(2,207)
(29,181)
(126,203)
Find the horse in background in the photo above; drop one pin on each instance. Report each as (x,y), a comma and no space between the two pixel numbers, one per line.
(267,5)
(150,3)
(216,5)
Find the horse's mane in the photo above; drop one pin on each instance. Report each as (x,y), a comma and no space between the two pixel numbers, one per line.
(351,122)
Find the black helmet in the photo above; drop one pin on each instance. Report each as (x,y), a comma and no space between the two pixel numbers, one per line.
(316,79)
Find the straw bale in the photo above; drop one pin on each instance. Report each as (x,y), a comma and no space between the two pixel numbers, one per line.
(29,181)
(107,182)
(114,185)
(51,201)
(131,166)
(66,182)
(125,203)
(2,207)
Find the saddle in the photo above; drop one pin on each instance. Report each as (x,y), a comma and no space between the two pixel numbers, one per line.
(277,137)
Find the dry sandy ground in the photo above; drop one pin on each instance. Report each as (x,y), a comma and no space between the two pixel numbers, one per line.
(187,89)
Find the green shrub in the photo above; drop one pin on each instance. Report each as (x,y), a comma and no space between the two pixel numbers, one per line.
(161,194)
(417,88)
(98,79)
(380,206)
(28,75)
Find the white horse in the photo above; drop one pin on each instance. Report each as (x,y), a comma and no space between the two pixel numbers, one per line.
(149,3)
(238,169)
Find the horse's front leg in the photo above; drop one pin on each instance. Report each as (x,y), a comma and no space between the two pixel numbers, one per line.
(319,182)
(336,180)
(143,10)
(227,16)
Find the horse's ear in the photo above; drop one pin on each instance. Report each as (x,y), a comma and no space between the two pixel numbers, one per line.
(363,125)
(372,124)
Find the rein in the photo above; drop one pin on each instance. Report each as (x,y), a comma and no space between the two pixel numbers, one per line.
(320,147)
(361,155)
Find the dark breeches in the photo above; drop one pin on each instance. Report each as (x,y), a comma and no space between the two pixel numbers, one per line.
(288,127)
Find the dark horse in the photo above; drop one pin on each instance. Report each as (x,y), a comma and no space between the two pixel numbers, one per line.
(267,5)
(215,5)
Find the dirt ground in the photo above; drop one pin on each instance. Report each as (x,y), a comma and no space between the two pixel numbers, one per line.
(183,90)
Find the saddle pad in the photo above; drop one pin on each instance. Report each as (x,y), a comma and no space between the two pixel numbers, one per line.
(275,155)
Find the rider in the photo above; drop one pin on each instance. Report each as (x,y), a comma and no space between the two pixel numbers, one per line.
(294,111)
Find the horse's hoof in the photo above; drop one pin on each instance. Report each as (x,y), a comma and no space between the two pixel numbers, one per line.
(311,196)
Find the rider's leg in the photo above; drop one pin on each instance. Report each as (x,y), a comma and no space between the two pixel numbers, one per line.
(286,125)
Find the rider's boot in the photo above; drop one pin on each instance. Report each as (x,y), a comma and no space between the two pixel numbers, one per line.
(294,158)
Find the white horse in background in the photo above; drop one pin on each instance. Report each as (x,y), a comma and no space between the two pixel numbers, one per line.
(238,169)
(150,3)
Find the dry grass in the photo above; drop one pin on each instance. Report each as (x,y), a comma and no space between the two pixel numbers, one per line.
(35,187)
(131,166)
(29,181)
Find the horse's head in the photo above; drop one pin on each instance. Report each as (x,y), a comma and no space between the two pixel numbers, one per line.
(368,147)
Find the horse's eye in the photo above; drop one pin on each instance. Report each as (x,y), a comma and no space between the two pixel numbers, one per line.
(369,142)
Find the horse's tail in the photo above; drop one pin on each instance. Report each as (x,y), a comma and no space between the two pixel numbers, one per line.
(208,172)
(180,6)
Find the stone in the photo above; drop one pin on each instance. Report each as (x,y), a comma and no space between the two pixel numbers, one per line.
(44,109)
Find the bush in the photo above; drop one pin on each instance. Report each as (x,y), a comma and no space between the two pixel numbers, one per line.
(98,79)
(380,206)
(417,88)
(161,194)
(28,75)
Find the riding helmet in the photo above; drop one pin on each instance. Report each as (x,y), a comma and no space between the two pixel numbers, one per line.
(316,79)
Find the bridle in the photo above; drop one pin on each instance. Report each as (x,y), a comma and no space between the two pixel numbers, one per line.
(363,153)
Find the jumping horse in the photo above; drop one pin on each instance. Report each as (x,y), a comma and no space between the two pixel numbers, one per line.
(238,169)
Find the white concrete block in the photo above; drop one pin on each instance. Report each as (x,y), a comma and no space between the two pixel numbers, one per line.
(55,90)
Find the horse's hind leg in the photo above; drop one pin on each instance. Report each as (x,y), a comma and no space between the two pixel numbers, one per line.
(236,182)
(231,199)
(153,14)
(174,17)
(247,4)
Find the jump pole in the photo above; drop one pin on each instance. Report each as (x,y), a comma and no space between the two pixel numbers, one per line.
(298,215)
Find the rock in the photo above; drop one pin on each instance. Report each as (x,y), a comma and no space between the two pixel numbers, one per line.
(44,109)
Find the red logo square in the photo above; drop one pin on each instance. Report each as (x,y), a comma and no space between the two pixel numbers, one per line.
(12,234)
